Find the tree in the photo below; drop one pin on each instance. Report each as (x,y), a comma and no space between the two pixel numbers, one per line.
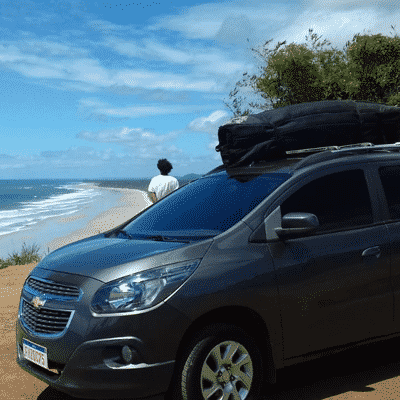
(376,62)
(367,69)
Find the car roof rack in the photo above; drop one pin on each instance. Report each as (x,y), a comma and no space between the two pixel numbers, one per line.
(327,148)
(310,156)
(327,154)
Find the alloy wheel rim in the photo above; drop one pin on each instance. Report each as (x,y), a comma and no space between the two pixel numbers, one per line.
(227,372)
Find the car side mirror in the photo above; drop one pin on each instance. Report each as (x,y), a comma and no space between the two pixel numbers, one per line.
(297,224)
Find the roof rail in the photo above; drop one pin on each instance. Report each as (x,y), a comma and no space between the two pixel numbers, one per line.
(344,151)
(334,152)
(327,148)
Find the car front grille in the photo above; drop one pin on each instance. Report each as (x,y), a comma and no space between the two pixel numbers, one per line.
(53,288)
(44,320)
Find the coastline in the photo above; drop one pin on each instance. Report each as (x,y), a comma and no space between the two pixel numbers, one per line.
(131,203)
(115,206)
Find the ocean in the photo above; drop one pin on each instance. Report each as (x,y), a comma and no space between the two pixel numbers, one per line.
(31,208)
(24,203)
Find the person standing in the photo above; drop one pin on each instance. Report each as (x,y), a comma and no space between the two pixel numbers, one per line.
(162,184)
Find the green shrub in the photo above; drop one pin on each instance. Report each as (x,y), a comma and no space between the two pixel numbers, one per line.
(26,256)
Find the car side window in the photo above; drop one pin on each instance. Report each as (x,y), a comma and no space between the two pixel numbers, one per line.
(390,177)
(340,200)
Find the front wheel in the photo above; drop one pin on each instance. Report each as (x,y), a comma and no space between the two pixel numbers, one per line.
(224,364)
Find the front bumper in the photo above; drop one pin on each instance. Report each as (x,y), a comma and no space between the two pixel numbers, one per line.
(96,370)
(85,359)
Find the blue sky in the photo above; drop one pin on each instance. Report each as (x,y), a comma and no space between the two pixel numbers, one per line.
(95,89)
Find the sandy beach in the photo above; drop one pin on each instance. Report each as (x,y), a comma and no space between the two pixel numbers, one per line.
(132,202)
(110,209)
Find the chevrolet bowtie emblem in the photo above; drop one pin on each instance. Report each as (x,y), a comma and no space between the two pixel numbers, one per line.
(37,302)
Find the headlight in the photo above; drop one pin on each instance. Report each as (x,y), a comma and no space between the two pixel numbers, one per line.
(142,290)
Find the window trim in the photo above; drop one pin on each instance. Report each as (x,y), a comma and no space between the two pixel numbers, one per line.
(382,195)
(308,177)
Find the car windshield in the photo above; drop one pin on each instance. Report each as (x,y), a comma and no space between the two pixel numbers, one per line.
(204,208)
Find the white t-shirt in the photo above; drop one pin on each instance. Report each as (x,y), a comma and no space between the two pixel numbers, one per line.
(161,185)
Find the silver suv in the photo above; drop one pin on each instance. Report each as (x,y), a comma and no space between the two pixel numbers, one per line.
(205,294)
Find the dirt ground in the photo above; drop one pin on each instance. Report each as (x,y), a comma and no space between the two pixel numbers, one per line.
(366,373)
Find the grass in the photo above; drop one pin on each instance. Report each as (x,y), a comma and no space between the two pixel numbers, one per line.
(26,256)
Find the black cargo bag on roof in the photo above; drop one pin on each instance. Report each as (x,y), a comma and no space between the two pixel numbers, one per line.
(268,135)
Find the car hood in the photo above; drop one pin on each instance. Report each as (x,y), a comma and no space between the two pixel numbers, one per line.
(107,259)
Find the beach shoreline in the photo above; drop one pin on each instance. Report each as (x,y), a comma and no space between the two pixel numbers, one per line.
(131,203)
(94,218)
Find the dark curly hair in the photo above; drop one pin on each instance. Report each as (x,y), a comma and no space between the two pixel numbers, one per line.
(164,166)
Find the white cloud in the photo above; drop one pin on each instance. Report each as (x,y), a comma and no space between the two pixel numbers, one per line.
(213,144)
(95,109)
(89,71)
(10,54)
(225,23)
(74,157)
(204,69)
(143,110)
(142,146)
(206,21)
(12,166)
(77,154)
(232,23)
(108,28)
(339,21)
(37,71)
(133,137)
(183,60)
(200,60)
(236,29)
(12,162)
(169,53)
(92,102)
(89,162)
(346,4)
(6,157)
(163,80)
(150,49)
(51,48)
(209,124)
(151,95)
(217,64)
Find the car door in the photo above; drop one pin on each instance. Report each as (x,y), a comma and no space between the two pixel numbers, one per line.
(390,180)
(334,285)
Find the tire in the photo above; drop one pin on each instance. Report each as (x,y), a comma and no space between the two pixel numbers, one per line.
(223,362)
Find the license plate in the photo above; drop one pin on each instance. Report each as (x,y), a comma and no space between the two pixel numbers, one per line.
(35,353)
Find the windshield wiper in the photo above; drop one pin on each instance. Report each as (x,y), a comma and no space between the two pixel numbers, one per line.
(154,237)
(125,233)
(166,239)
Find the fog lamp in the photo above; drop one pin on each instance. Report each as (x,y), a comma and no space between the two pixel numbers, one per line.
(127,354)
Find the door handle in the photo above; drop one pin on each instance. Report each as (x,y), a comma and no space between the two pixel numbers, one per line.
(372,251)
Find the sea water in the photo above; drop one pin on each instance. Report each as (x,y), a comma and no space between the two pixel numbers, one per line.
(24,203)
(34,211)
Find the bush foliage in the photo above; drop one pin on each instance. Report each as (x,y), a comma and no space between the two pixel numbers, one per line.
(26,256)
(367,69)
